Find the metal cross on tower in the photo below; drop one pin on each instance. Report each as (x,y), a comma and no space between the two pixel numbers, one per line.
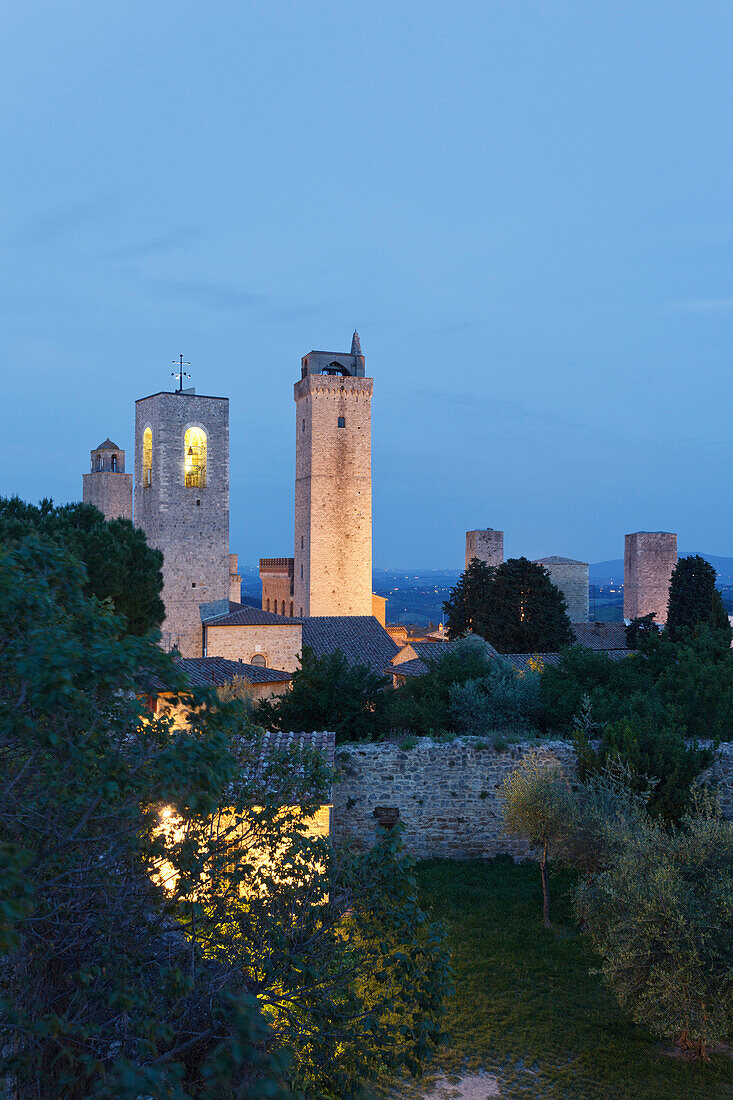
(180,374)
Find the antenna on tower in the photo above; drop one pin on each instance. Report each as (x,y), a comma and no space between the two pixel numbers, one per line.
(180,374)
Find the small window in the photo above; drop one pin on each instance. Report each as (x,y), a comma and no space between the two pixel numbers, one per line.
(342,422)
(303,424)
(301,572)
(193,584)
(291,609)
(268,605)
(114,464)
(302,542)
(282,610)
(301,612)
(199,503)
(259,660)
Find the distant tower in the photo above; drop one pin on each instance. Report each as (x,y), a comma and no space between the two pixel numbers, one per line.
(571,577)
(182,504)
(487,546)
(107,486)
(333,485)
(649,559)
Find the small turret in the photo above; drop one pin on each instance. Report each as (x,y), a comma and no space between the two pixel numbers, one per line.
(107,486)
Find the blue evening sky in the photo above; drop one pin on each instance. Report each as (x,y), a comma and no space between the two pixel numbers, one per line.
(525,208)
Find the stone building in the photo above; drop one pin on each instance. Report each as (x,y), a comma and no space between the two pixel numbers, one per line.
(571,577)
(182,504)
(107,486)
(333,485)
(649,560)
(487,546)
(276,575)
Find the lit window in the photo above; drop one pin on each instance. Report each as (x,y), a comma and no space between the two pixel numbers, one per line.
(194,458)
(147,458)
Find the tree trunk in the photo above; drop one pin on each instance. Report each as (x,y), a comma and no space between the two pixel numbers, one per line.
(545,890)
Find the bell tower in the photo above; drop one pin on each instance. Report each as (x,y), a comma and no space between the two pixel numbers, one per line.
(107,486)
(332,572)
(182,504)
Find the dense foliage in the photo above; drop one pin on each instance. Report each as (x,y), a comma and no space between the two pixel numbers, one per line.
(694,601)
(330,693)
(169,926)
(120,566)
(685,685)
(516,607)
(656,900)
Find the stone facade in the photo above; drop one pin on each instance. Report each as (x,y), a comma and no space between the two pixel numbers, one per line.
(235,580)
(487,546)
(279,644)
(107,486)
(571,577)
(447,794)
(333,486)
(183,513)
(276,575)
(649,559)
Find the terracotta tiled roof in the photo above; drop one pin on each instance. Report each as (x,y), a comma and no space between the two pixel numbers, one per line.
(216,671)
(323,741)
(521,660)
(243,615)
(361,639)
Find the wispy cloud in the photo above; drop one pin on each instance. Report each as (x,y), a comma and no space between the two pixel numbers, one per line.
(62,220)
(214,295)
(166,242)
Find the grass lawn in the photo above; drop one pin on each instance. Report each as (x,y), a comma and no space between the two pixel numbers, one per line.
(528,1007)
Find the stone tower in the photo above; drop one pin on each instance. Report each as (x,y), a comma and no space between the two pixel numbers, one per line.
(332,572)
(487,546)
(571,577)
(182,504)
(107,486)
(649,559)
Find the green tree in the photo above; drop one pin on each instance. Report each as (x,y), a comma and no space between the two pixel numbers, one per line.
(639,629)
(526,613)
(100,993)
(468,603)
(120,566)
(694,601)
(660,915)
(168,922)
(537,807)
(330,693)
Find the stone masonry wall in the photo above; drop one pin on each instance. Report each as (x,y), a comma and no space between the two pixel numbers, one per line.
(649,559)
(110,492)
(448,794)
(281,645)
(487,546)
(333,496)
(571,577)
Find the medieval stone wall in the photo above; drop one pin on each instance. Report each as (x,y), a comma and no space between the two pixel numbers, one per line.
(649,559)
(110,492)
(448,794)
(487,546)
(279,644)
(571,577)
(333,496)
(189,524)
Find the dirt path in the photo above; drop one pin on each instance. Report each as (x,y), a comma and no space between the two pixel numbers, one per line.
(468,1087)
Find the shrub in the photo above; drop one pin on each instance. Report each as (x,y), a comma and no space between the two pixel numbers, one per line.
(423,703)
(501,700)
(660,915)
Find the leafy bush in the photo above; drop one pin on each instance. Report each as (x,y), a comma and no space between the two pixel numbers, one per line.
(329,693)
(422,704)
(660,915)
(501,700)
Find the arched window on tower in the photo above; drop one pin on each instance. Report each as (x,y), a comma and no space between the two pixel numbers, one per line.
(147,458)
(113,464)
(194,458)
